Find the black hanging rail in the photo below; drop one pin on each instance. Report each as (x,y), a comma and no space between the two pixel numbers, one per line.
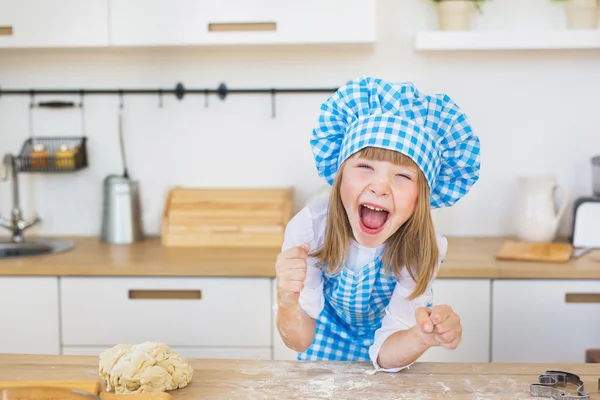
(179,91)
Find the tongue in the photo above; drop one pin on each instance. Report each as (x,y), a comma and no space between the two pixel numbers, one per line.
(373,219)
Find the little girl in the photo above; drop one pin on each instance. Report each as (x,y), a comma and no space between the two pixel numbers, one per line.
(354,278)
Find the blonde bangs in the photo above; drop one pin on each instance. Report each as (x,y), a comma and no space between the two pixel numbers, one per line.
(391,156)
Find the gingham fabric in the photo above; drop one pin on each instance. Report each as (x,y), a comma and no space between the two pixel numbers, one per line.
(354,308)
(430,129)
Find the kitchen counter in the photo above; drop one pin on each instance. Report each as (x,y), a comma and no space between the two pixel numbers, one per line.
(251,379)
(466,258)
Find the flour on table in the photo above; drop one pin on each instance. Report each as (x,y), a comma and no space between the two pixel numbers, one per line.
(445,388)
(326,387)
(358,385)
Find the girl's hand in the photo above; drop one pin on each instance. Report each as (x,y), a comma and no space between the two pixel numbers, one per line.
(290,271)
(439,326)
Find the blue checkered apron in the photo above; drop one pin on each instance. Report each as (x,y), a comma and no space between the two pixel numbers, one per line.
(354,308)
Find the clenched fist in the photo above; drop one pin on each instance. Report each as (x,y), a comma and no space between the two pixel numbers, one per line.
(290,271)
(439,326)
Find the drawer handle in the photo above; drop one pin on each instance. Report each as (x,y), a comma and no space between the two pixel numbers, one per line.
(165,294)
(582,298)
(6,30)
(243,27)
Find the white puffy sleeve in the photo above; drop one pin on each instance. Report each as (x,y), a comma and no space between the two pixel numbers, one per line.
(400,313)
(300,229)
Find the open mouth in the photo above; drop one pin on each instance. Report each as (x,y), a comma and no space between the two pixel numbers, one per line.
(372,218)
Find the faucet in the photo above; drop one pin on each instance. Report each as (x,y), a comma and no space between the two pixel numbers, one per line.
(16,224)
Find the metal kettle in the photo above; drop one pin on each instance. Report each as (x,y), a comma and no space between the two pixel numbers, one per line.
(121,211)
(121,206)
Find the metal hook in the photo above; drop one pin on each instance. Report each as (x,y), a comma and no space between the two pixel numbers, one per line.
(160,98)
(82,112)
(273,103)
(205,98)
(31,106)
(121,98)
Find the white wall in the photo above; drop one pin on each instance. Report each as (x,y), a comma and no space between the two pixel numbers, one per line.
(536,112)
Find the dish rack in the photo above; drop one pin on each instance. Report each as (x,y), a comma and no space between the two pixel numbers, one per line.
(53,154)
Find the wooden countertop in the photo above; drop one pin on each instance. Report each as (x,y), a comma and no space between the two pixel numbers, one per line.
(466,258)
(250,379)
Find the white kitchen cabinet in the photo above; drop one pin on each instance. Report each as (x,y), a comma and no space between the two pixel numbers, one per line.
(544,320)
(56,23)
(29,315)
(239,353)
(184,312)
(241,22)
(470,299)
(280,350)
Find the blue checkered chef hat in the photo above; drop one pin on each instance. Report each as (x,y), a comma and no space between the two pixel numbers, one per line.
(430,129)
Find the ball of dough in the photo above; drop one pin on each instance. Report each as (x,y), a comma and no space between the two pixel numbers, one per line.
(144,367)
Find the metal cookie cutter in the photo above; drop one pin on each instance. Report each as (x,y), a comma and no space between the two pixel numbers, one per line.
(547,383)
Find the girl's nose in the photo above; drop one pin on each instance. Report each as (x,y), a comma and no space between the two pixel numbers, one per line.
(380,186)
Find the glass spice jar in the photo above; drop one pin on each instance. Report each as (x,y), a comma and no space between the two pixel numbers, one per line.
(39,156)
(65,157)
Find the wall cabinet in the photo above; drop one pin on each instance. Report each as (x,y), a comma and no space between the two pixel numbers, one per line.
(104,23)
(241,22)
(57,23)
(551,321)
(29,315)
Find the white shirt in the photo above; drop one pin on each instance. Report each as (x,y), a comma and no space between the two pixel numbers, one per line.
(308,226)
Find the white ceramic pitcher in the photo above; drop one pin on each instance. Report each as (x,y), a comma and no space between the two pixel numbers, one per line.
(537,218)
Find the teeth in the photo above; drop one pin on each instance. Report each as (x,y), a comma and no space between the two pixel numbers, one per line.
(373,208)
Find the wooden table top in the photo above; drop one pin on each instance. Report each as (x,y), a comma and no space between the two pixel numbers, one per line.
(249,379)
(466,258)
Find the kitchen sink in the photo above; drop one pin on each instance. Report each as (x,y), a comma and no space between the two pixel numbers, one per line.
(33,247)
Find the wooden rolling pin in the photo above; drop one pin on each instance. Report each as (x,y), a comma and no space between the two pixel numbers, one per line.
(93,387)
(136,396)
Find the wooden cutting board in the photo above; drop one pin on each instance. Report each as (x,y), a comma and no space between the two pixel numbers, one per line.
(226,217)
(93,387)
(529,251)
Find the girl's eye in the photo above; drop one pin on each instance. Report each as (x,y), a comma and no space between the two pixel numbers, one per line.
(405,176)
(364,166)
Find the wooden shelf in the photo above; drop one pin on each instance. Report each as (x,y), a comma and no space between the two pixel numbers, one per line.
(507,40)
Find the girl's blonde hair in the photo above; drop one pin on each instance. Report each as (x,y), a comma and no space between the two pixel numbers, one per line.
(412,246)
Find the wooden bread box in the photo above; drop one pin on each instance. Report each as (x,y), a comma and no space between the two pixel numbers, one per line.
(229,217)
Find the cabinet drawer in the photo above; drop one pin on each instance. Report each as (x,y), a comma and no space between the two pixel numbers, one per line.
(241,22)
(58,23)
(545,321)
(176,311)
(234,353)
